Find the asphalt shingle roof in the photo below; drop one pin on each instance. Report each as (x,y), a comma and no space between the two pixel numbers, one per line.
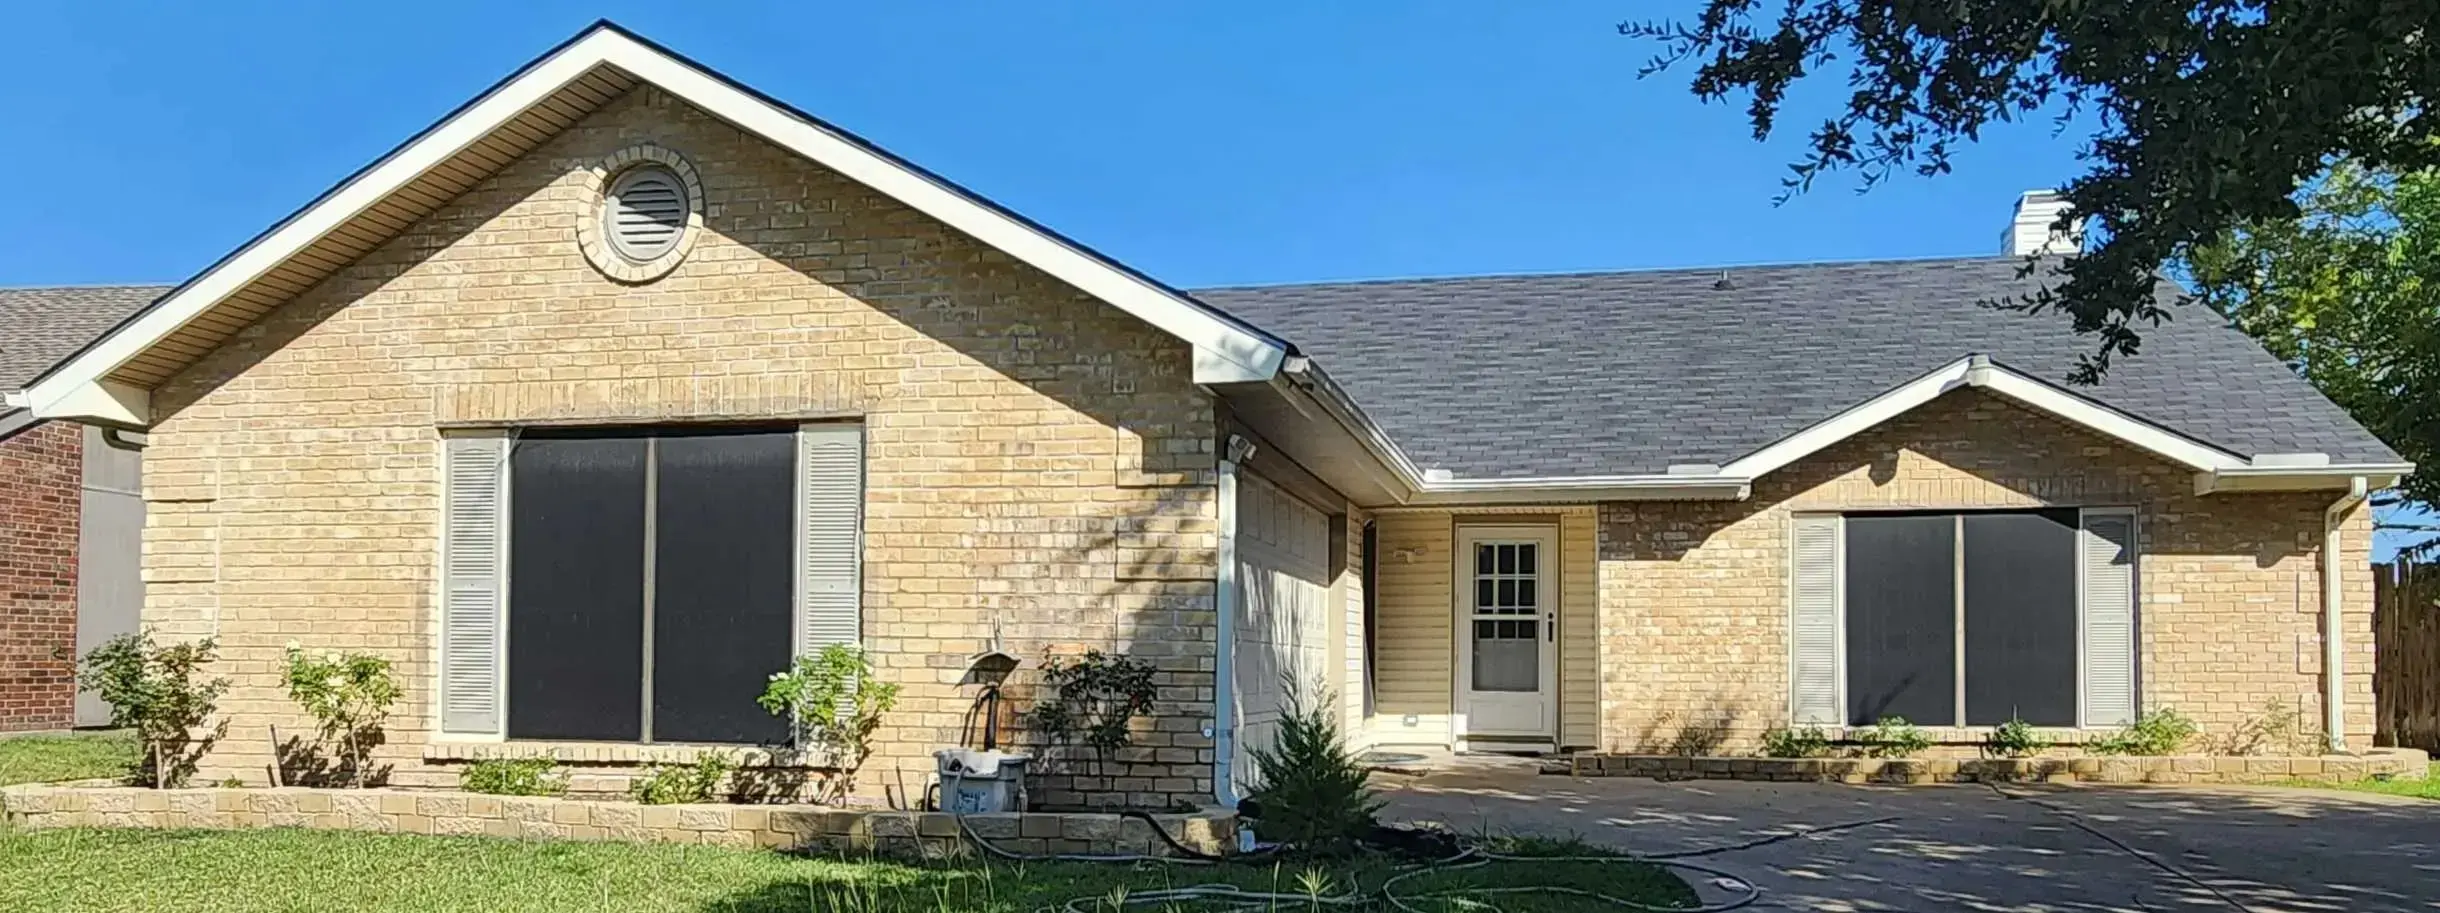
(1624,373)
(41,326)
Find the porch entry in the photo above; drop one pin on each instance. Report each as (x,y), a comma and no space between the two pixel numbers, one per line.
(1507,606)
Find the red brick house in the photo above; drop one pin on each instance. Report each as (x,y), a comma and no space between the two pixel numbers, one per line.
(70,516)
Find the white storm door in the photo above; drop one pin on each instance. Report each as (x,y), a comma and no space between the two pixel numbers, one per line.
(1507,631)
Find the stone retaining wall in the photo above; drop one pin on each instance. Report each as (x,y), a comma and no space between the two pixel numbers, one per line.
(2383,762)
(791,827)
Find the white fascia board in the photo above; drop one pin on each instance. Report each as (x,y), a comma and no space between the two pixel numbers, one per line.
(1856,420)
(1582,489)
(1979,372)
(1224,351)
(2317,478)
(2101,419)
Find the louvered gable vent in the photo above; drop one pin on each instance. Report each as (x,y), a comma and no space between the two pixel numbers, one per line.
(647,213)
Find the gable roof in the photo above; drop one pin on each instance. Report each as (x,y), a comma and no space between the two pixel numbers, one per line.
(109,379)
(40,326)
(1628,374)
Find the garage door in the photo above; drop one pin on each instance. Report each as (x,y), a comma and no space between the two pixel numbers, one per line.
(1282,623)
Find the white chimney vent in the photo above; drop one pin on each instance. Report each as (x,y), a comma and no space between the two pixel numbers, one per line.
(2030,233)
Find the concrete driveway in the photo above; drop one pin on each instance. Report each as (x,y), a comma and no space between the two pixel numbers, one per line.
(2024,848)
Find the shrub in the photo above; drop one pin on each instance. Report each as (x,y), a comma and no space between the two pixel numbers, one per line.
(1313,795)
(834,702)
(1800,742)
(2159,732)
(348,695)
(1094,701)
(514,777)
(675,784)
(2280,728)
(1894,737)
(158,691)
(2014,739)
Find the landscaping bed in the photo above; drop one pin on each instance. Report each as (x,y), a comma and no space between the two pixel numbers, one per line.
(791,827)
(89,871)
(2404,763)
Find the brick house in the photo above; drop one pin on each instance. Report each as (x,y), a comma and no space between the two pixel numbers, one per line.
(596,401)
(69,515)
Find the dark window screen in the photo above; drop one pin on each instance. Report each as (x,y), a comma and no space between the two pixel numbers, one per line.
(576,592)
(723,585)
(2021,618)
(1901,618)
(1372,603)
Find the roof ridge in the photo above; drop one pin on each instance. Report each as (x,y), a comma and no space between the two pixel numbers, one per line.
(1594,273)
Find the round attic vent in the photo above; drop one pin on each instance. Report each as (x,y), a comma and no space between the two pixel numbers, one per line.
(645,213)
(645,208)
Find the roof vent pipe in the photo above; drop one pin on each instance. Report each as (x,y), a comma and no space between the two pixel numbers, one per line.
(2031,232)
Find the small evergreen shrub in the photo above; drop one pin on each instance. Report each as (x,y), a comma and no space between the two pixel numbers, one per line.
(1799,742)
(1894,737)
(1314,795)
(2014,739)
(2159,732)
(2281,728)
(679,784)
(514,777)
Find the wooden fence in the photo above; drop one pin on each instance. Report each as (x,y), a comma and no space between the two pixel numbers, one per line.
(2406,638)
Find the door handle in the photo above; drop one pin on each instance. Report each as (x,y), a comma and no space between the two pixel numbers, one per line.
(1550,626)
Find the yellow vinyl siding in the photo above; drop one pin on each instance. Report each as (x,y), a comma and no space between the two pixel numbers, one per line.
(1579,656)
(1416,610)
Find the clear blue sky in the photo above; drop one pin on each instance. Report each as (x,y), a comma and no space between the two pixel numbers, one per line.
(1204,143)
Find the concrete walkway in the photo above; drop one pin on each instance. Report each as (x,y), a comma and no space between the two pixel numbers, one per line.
(2027,848)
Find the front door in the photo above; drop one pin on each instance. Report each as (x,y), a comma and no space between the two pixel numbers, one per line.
(1507,632)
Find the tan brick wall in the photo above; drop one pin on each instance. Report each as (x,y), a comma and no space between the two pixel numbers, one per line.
(1034,456)
(1694,600)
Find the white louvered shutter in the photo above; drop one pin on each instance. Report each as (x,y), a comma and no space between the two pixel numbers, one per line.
(474,574)
(647,213)
(830,535)
(2106,553)
(1813,624)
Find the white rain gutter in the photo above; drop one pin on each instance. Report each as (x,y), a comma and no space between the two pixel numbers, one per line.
(1224,599)
(2333,632)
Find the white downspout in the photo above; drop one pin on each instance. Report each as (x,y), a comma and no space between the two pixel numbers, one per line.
(2333,632)
(1224,597)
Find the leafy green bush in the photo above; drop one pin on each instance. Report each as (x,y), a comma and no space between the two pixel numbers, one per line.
(834,702)
(514,777)
(1800,742)
(159,692)
(1094,700)
(675,784)
(348,695)
(2159,732)
(2014,739)
(1314,795)
(1894,737)
(2281,728)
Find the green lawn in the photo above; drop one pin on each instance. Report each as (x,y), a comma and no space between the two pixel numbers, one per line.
(42,759)
(81,871)
(2420,788)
